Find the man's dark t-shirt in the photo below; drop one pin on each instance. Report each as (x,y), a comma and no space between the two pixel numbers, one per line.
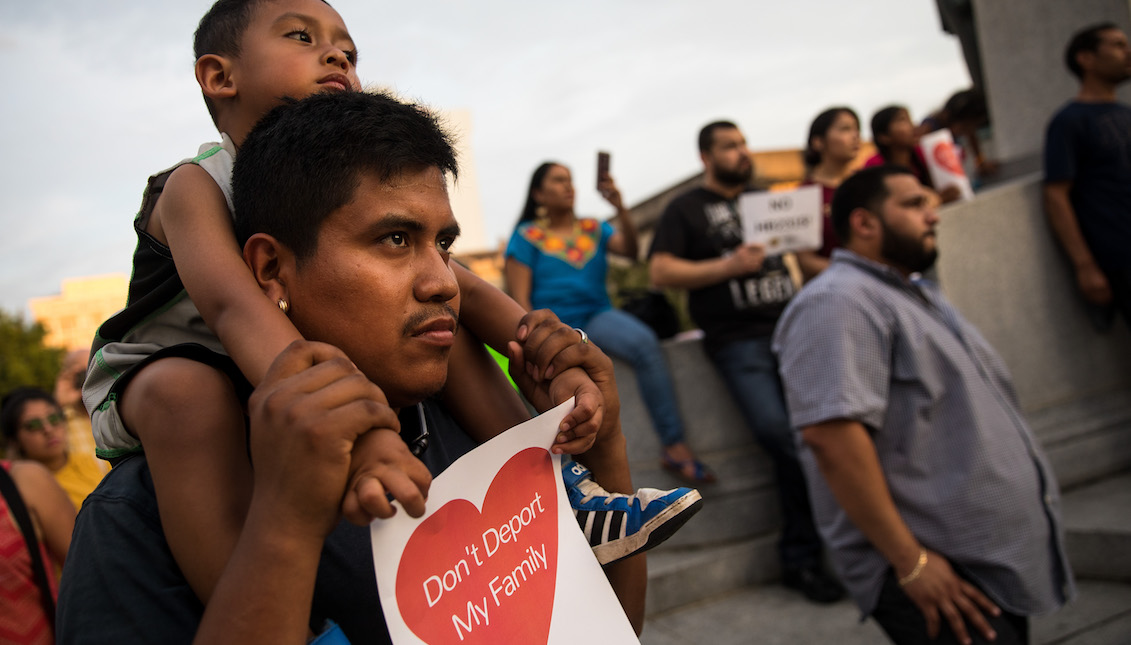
(1089,144)
(122,585)
(703,225)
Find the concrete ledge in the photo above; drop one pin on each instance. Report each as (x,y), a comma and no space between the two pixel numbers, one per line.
(1098,529)
(678,577)
(1001,268)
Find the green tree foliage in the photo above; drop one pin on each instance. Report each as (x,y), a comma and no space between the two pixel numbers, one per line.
(24,359)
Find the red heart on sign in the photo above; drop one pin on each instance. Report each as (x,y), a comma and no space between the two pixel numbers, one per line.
(947,158)
(472,577)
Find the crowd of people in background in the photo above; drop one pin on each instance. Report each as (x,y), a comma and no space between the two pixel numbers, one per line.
(815,350)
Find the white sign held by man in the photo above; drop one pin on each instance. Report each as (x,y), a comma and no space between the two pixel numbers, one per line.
(782,221)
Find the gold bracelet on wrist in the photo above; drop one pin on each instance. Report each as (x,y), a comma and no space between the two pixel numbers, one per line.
(914,575)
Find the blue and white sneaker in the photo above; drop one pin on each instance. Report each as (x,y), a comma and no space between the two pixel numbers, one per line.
(618,525)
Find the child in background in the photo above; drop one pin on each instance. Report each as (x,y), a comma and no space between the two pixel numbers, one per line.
(897,142)
(196,318)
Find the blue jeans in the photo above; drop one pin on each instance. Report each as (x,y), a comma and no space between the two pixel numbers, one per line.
(624,336)
(751,374)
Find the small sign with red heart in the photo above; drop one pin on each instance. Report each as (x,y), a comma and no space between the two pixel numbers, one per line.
(498,556)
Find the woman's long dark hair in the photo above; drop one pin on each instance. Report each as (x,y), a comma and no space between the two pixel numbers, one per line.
(13,404)
(820,129)
(528,210)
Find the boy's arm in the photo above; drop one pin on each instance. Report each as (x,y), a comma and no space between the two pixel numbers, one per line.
(496,319)
(480,398)
(194,216)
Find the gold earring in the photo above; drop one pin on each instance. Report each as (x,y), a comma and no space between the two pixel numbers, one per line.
(541,214)
(284,306)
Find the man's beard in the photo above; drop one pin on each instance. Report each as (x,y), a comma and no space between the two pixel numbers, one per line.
(734,177)
(906,252)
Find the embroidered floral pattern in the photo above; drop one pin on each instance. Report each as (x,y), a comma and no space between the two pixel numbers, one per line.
(576,249)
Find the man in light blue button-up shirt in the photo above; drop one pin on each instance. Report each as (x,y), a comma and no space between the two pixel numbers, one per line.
(930,489)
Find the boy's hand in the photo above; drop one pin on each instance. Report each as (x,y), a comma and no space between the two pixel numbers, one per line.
(552,364)
(382,465)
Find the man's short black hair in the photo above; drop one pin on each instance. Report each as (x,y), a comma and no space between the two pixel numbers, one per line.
(865,189)
(707,134)
(1085,40)
(304,160)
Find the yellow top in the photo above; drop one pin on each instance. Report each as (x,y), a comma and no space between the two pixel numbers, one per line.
(79,477)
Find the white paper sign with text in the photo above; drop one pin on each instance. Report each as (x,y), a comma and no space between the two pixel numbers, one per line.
(498,556)
(782,221)
(943,162)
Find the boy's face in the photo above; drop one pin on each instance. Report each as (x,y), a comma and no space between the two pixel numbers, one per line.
(293,48)
(379,285)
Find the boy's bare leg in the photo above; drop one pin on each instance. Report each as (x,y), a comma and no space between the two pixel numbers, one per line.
(198,457)
(607,459)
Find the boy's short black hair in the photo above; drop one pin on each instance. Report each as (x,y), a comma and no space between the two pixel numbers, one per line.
(305,159)
(707,134)
(220,32)
(13,404)
(865,189)
(1085,40)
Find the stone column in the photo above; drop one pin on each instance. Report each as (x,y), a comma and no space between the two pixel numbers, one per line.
(1022,46)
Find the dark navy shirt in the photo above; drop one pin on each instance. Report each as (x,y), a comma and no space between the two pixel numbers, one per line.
(1089,144)
(122,585)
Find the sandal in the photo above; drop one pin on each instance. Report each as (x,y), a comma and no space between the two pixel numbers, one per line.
(691,470)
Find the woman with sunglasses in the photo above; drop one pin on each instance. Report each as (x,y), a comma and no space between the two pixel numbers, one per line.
(36,518)
(35,428)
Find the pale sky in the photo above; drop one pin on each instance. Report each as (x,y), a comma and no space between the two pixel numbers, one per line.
(101,95)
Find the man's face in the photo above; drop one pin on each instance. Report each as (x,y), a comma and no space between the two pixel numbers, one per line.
(379,286)
(728,160)
(908,221)
(293,48)
(1111,62)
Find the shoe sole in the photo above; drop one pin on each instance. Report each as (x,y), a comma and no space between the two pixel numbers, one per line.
(654,532)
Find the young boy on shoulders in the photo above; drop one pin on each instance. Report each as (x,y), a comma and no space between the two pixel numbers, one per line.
(198,328)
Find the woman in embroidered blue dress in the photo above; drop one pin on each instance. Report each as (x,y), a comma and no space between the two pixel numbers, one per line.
(558,261)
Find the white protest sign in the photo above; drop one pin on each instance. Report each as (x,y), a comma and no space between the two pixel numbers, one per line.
(498,556)
(943,162)
(782,221)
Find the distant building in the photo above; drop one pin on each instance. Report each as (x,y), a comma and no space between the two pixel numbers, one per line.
(72,317)
(464,193)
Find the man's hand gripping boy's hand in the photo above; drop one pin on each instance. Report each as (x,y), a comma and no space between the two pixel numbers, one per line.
(553,363)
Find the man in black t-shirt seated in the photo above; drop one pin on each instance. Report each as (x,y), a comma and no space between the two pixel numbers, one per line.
(1088,172)
(736,294)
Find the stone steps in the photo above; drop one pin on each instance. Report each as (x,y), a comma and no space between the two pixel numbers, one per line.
(731,544)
